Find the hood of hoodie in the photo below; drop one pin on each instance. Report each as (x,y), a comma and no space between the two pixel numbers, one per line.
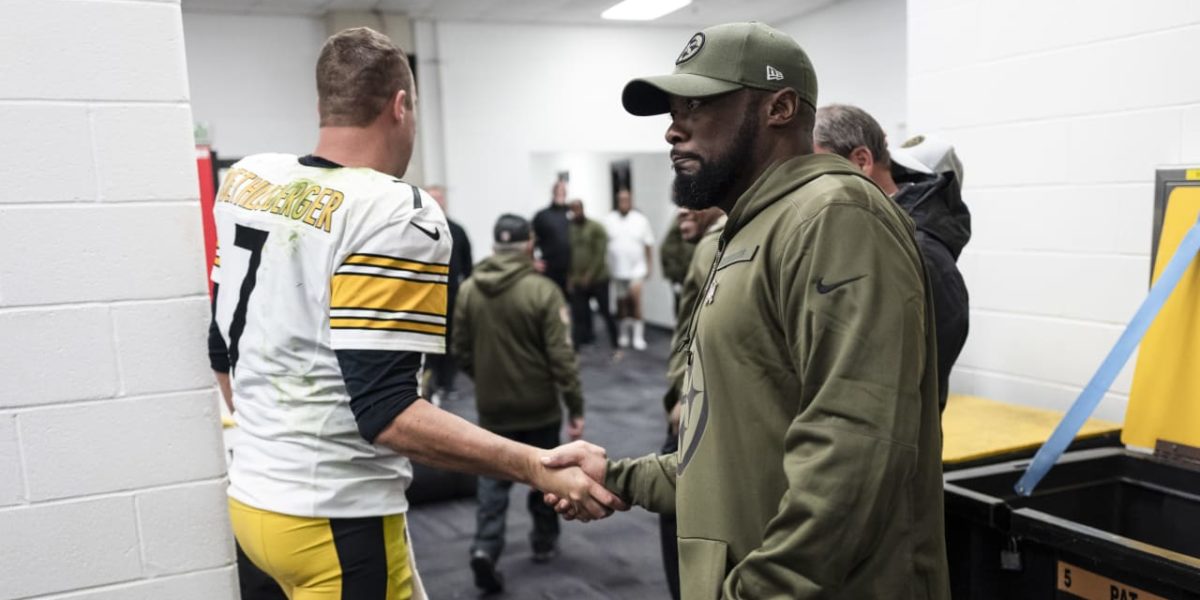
(935,204)
(500,271)
(781,179)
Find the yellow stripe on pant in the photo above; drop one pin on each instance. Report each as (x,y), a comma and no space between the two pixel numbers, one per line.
(327,559)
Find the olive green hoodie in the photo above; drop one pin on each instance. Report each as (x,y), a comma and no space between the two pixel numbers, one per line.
(676,254)
(697,276)
(589,253)
(512,335)
(809,462)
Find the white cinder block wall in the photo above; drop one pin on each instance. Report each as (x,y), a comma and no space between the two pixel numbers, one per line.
(1061,111)
(857,48)
(111,469)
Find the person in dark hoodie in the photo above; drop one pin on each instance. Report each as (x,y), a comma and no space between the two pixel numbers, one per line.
(443,366)
(931,195)
(512,335)
(552,237)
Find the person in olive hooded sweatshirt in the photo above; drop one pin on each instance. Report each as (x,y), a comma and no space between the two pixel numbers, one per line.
(512,335)
(809,462)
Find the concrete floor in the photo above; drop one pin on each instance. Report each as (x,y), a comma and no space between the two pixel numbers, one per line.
(618,557)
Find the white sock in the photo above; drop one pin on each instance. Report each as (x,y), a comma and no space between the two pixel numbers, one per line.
(639,330)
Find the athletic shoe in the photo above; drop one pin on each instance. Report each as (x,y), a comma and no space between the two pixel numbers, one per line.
(639,343)
(487,578)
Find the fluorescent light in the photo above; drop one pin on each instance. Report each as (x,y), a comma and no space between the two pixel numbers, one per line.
(642,10)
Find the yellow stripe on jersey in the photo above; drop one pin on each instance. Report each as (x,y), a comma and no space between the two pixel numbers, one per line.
(378,292)
(386,325)
(378,260)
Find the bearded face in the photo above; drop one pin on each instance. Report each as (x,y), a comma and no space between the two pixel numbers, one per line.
(710,181)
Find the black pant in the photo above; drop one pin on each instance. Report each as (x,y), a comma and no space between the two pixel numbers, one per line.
(443,370)
(493,502)
(254,583)
(583,328)
(559,277)
(443,367)
(668,534)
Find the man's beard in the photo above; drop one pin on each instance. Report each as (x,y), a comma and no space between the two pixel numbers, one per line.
(712,182)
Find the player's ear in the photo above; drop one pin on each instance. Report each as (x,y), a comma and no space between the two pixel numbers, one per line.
(399,109)
(862,157)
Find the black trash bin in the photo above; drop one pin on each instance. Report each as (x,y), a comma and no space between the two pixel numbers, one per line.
(1105,523)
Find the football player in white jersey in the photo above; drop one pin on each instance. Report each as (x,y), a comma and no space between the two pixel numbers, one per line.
(330,282)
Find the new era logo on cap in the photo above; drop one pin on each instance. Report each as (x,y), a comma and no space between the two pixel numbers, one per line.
(773,74)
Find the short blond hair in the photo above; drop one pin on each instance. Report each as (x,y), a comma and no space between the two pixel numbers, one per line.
(358,73)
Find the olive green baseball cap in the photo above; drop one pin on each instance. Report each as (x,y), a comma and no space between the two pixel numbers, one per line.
(722,59)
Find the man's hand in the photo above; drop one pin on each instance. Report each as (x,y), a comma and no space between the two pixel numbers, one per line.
(575,428)
(592,459)
(539,265)
(674,417)
(580,496)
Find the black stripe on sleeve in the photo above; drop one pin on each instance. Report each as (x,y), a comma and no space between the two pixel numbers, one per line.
(362,554)
(396,258)
(416,196)
(218,353)
(381,384)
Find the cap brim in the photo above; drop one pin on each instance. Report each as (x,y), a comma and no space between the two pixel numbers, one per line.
(651,95)
(904,158)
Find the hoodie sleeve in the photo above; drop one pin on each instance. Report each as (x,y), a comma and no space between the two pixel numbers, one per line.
(462,335)
(853,319)
(564,363)
(648,482)
(598,253)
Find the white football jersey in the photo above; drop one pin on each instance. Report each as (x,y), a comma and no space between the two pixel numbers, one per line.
(313,259)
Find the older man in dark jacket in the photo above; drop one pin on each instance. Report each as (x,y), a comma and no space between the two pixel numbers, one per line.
(924,177)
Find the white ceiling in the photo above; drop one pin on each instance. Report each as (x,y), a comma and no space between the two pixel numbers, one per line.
(701,13)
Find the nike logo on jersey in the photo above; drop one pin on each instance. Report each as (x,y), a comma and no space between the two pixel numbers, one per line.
(434,235)
(822,288)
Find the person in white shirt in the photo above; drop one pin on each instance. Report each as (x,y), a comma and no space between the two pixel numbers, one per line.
(630,245)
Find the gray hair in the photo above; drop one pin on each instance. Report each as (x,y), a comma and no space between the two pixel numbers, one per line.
(841,128)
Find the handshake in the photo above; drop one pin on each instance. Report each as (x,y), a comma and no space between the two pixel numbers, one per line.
(572,479)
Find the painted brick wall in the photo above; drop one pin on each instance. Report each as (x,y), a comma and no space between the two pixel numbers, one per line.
(112,476)
(1060,110)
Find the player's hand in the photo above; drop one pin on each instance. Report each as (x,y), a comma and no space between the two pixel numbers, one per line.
(592,459)
(674,417)
(539,265)
(575,428)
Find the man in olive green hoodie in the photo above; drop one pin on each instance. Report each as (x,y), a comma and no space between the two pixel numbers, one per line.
(512,337)
(675,254)
(702,230)
(810,449)
(588,276)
